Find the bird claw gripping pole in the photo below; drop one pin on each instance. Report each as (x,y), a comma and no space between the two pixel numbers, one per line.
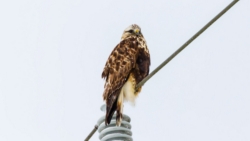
(111,131)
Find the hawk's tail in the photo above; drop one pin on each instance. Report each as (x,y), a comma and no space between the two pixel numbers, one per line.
(111,106)
(110,112)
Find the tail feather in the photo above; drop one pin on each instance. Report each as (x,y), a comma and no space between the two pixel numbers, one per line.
(111,104)
(110,113)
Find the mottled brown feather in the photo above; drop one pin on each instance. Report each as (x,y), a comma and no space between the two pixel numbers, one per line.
(127,57)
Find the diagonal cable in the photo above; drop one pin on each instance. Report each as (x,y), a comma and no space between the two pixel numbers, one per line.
(186,44)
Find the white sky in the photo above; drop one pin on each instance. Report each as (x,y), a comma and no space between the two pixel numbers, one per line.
(52,54)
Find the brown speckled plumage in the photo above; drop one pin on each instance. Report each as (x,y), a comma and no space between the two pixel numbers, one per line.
(127,64)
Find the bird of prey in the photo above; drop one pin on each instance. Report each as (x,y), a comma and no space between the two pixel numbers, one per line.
(126,66)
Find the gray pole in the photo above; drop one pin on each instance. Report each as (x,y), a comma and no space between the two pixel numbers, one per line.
(113,132)
(91,133)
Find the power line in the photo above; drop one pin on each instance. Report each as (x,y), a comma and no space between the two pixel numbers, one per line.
(176,53)
(91,133)
(186,44)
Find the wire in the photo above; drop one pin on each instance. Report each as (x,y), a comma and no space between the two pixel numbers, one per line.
(185,44)
(175,53)
(91,133)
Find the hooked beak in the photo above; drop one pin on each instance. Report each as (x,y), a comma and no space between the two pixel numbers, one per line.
(137,31)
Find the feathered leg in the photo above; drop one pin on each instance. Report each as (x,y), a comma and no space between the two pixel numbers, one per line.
(119,109)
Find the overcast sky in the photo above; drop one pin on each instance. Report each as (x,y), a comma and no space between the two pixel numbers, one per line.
(52,53)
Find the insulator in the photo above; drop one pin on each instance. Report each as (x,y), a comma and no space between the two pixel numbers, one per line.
(112,132)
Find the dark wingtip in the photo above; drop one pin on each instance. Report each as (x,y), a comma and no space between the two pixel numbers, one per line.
(110,112)
(107,121)
(109,117)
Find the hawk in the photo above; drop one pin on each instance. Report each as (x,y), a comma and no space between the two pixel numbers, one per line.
(126,66)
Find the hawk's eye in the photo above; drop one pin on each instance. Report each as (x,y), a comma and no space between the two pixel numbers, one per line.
(131,31)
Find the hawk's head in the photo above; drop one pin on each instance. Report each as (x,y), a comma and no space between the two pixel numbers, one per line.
(132,30)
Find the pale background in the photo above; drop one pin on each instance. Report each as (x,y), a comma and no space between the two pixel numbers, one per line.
(52,53)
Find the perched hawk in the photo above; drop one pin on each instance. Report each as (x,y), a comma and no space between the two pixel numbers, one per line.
(126,66)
